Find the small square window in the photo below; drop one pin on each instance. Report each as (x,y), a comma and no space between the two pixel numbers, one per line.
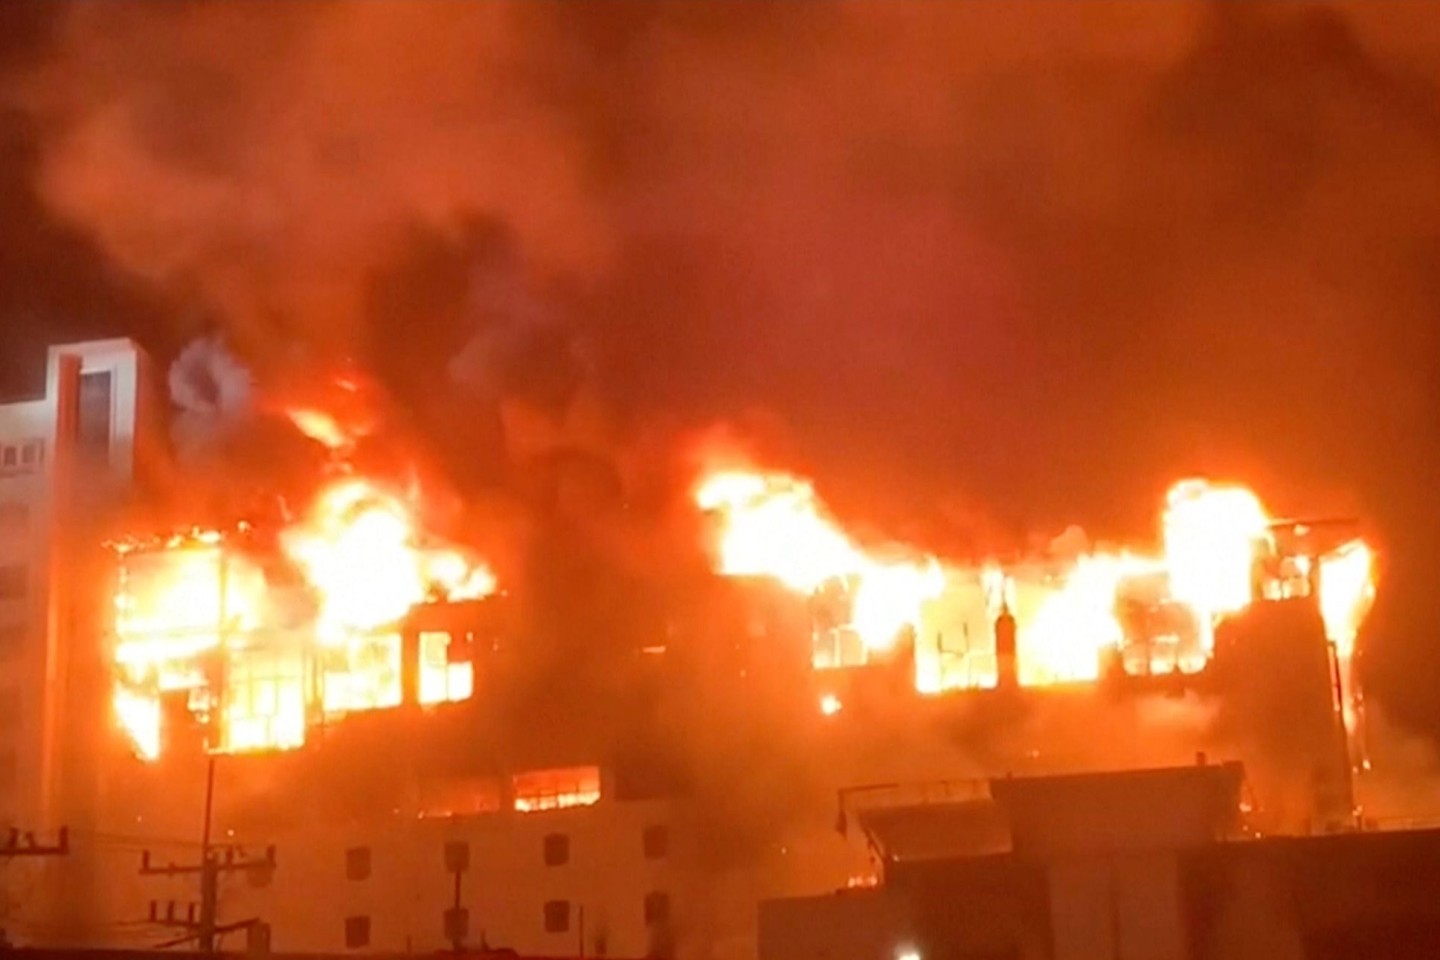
(656,841)
(457,856)
(657,908)
(357,863)
(457,924)
(557,850)
(357,932)
(557,916)
(10,457)
(32,453)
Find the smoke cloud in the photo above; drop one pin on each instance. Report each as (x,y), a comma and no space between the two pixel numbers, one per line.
(1042,262)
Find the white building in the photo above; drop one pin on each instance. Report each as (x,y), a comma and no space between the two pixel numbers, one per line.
(76,445)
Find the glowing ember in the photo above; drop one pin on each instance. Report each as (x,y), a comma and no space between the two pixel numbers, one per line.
(320,427)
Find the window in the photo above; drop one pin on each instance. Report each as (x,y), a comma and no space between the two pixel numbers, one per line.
(10,457)
(657,908)
(13,582)
(556,789)
(557,916)
(96,402)
(457,856)
(656,841)
(444,676)
(357,932)
(557,850)
(33,453)
(357,863)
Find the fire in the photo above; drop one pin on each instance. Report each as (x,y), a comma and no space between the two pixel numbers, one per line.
(773,525)
(1076,621)
(257,652)
(359,549)
(321,427)
(1067,610)
(1210,546)
(1347,590)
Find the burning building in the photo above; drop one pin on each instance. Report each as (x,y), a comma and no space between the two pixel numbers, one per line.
(338,679)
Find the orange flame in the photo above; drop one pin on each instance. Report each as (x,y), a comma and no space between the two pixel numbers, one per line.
(1067,619)
(772,525)
(185,606)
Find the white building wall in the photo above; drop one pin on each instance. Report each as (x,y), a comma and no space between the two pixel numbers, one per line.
(309,896)
(52,479)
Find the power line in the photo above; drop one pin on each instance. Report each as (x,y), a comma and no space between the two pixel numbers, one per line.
(201,921)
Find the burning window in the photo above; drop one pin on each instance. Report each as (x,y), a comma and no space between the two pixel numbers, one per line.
(443,677)
(556,789)
(459,797)
(363,674)
(264,701)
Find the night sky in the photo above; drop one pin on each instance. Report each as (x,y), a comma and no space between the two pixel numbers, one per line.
(1002,267)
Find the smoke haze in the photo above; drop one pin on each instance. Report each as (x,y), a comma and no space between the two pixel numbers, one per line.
(1025,262)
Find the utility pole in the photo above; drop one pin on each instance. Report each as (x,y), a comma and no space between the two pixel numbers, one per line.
(201,922)
(25,845)
(205,927)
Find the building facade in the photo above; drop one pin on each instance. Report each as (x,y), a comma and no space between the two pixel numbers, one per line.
(76,445)
(66,457)
(1140,864)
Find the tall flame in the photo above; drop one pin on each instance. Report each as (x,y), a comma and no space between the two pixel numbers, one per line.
(359,549)
(187,605)
(773,525)
(1068,617)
